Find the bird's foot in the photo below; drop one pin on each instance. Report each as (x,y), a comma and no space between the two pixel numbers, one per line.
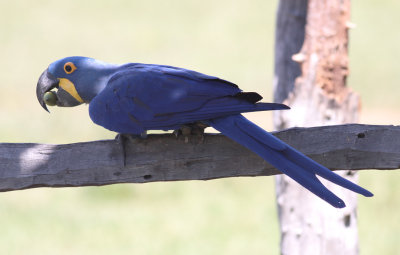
(191,130)
(123,139)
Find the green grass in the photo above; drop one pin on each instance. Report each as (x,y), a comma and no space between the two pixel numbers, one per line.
(374,53)
(378,217)
(231,39)
(219,217)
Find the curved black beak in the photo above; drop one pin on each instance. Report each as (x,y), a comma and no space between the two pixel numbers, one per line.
(47,82)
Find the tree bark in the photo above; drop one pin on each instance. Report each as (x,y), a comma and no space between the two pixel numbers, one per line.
(312,81)
(165,158)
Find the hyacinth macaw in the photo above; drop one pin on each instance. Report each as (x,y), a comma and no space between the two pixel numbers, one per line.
(134,97)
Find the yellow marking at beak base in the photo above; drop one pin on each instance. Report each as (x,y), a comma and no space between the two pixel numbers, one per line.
(68,86)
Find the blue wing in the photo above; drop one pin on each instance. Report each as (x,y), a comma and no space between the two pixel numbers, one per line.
(143,97)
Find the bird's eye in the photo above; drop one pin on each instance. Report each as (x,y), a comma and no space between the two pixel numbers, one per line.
(69,67)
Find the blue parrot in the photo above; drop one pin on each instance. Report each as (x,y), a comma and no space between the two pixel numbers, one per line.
(133,98)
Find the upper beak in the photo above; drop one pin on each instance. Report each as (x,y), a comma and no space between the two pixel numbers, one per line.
(47,82)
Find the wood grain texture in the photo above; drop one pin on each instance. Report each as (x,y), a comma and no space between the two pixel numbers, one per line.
(166,158)
(319,96)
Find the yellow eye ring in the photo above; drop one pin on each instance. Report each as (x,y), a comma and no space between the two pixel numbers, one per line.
(69,67)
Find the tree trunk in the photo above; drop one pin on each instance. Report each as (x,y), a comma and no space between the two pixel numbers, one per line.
(310,77)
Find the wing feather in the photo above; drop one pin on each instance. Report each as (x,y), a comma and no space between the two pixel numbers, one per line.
(141,97)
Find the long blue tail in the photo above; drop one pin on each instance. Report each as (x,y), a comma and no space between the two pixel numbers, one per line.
(285,158)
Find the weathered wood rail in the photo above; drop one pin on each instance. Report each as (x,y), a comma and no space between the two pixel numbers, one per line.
(166,158)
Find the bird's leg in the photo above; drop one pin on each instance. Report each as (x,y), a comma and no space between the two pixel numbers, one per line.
(122,139)
(185,131)
(198,130)
(188,130)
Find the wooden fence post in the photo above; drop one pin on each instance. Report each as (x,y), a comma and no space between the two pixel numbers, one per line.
(311,67)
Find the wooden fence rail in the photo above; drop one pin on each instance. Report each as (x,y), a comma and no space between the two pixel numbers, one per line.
(166,158)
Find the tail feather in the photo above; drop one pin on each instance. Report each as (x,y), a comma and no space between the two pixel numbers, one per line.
(285,158)
(324,172)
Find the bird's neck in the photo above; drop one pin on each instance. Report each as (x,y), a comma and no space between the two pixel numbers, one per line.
(97,85)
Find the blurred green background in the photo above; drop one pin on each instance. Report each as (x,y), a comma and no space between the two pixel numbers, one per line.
(231,39)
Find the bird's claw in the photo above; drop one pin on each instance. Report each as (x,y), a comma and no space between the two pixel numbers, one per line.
(191,130)
(122,140)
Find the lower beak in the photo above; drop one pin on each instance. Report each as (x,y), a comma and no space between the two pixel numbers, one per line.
(47,82)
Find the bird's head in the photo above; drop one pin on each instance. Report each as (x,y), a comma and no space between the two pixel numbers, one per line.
(72,81)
